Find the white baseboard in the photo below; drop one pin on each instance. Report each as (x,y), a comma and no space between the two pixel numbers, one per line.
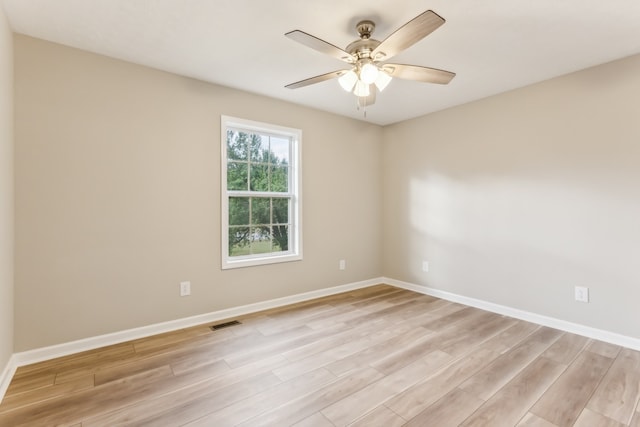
(59,350)
(563,325)
(7,375)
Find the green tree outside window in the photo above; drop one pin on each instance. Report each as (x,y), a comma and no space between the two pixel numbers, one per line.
(259,221)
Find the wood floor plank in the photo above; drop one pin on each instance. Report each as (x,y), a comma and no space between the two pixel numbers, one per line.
(510,337)
(447,336)
(379,302)
(67,410)
(315,420)
(303,336)
(145,387)
(565,399)
(192,341)
(383,314)
(277,324)
(380,416)
(28,383)
(123,370)
(477,335)
(241,329)
(365,400)
(439,309)
(212,352)
(589,418)
(396,298)
(416,398)
(412,314)
(604,349)
(153,357)
(166,339)
(299,409)
(301,309)
(453,314)
(309,364)
(378,338)
(489,380)
(352,356)
(332,339)
(369,292)
(202,402)
(617,395)
(70,368)
(259,403)
(450,410)
(566,348)
(377,356)
(531,420)
(511,403)
(78,360)
(338,321)
(42,394)
(183,389)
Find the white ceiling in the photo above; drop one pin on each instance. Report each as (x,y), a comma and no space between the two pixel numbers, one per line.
(493,46)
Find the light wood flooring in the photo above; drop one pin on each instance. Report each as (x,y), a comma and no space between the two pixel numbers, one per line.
(379,356)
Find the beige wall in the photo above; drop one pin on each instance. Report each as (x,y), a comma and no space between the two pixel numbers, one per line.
(118,199)
(6,191)
(517,198)
(514,199)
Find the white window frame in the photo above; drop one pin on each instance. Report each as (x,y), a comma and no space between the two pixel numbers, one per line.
(294,252)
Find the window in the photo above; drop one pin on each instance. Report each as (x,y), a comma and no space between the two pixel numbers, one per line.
(260,193)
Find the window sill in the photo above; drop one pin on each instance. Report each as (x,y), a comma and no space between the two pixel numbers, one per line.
(257,261)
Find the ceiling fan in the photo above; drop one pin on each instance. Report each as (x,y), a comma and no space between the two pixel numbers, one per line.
(368,72)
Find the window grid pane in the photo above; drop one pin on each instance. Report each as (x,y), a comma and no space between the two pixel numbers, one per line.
(258,225)
(239,209)
(237,176)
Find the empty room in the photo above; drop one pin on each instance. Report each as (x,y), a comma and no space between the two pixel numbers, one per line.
(319,213)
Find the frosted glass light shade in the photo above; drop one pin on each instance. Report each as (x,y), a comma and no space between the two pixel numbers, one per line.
(348,80)
(369,73)
(362,89)
(383,80)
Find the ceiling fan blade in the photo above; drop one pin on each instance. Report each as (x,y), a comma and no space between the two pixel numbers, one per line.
(316,79)
(405,36)
(320,45)
(422,74)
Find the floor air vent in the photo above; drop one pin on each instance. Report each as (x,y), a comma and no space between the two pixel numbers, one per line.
(225,325)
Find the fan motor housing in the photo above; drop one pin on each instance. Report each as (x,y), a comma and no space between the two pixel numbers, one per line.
(362,48)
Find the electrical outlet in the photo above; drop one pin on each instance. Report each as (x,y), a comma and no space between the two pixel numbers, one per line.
(582,294)
(343,264)
(185,289)
(425,266)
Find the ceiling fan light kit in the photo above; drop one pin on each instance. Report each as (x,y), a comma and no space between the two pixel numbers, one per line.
(368,73)
(383,80)
(348,80)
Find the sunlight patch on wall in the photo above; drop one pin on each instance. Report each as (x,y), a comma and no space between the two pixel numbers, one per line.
(498,230)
